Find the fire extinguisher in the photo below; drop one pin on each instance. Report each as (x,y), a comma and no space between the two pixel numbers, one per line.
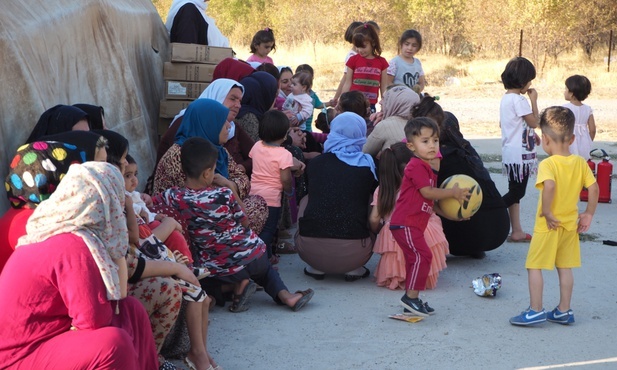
(584,193)
(604,172)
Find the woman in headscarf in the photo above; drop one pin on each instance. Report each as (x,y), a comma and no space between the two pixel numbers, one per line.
(188,23)
(117,148)
(34,174)
(68,275)
(92,144)
(396,106)
(233,69)
(96,115)
(207,119)
(60,118)
(260,89)
(334,236)
(225,91)
(489,227)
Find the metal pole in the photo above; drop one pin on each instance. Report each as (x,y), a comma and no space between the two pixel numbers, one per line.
(610,45)
(520,45)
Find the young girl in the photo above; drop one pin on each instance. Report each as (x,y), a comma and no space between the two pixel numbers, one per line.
(272,166)
(262,44)
(366,71)
(298,105)
(518,139)
(349,38)
(404,68)
(390,271)
(577,89)
(414,207)
(285,75)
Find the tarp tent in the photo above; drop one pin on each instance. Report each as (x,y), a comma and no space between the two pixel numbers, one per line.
(103,52)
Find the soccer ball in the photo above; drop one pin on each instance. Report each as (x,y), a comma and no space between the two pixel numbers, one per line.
(451,207)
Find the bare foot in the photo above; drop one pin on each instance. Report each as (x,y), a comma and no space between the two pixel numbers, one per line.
(518,236)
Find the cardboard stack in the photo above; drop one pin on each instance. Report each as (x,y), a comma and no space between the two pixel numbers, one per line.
(187,75)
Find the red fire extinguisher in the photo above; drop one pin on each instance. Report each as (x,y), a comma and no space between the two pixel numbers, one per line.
(603,174)
(584,193)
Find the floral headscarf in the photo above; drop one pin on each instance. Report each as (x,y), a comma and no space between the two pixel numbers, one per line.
(89,203)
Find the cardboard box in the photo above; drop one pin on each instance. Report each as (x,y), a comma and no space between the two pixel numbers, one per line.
(184,90)
(195,53)
(170,108)
(188,72)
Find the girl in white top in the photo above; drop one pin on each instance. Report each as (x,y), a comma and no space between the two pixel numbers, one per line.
(577,89)
(404,68)
(517,120)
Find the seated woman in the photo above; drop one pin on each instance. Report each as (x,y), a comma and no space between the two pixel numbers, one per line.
(74,286)
(260,89)
(396,108)
(25,195)
(187,22)
(334,236)
(60,118)
(207,119)
(96,115)
(489,227)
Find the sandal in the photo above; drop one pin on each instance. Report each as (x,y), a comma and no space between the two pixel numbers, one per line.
(366,273)
(306,297)
(239,302)
(286,248)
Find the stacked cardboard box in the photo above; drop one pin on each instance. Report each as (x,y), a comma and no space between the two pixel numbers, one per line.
(187,75)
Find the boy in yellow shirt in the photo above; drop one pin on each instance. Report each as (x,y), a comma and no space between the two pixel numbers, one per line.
(555,241)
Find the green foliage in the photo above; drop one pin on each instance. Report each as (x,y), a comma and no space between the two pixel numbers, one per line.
(455,27)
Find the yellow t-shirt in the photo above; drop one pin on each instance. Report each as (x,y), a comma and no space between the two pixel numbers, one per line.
(570,174)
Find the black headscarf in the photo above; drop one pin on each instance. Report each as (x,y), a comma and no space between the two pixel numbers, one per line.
(118,145)
(60,118)
(95,115)
(459,157)
(260,90)
(85,140)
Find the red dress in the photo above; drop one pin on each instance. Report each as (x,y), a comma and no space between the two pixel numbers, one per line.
(55,313)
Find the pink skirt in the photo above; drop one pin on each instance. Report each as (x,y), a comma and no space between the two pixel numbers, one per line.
(390,271)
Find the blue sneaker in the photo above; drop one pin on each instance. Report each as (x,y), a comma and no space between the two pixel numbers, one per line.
(430,310)
(529,317)
(559,317)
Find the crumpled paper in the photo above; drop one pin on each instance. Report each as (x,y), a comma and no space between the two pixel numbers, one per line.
(487,285)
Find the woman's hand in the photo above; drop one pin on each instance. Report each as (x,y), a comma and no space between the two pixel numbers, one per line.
(184,273)
(376,117)
(298,167)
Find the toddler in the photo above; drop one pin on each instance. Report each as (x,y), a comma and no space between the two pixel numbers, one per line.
(577,89)
(555,241)
(298,105)
(317,103)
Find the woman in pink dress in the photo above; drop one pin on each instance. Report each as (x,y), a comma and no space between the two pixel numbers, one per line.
(68,275)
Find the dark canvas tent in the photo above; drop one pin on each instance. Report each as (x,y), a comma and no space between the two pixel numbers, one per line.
(104,52)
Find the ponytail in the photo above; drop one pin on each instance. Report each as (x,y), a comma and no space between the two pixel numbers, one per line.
(391,168)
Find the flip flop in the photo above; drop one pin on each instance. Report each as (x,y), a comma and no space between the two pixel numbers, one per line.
(239,303)
(366,273)
(306,297)
(527,239)
(313,275)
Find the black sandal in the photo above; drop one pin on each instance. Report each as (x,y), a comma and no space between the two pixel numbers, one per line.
(239,302)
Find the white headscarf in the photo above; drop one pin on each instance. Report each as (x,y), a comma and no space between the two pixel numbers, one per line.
(89,203)
(215,37)
(218,91)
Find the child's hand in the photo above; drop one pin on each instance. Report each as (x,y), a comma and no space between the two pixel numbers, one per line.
(181,258)
(376,117)
(144,214)
(460,194)
(175,223)
(584,221)
(298,137)
(551,221)
(146,199)
(298,167)
(128,203)
(533,94)
(160,216)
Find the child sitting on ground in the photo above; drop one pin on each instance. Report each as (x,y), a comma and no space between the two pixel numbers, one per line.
(220,237)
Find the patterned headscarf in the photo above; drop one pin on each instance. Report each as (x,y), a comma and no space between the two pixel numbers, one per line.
(346,139)
(85,140)
(260,90)
(89,203)
(398,101)
(205,118)
(60,118)
(36,171)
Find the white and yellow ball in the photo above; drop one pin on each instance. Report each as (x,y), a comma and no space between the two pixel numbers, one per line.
(451,207)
